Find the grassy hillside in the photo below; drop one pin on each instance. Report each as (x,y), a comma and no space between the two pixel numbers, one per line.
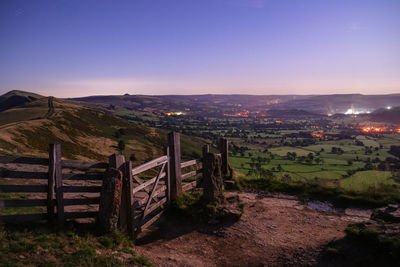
(17,98)
(83,133)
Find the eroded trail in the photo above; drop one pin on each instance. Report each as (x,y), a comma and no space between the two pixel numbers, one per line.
(272,232)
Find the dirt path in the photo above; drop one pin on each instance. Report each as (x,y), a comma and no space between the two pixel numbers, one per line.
(272,232)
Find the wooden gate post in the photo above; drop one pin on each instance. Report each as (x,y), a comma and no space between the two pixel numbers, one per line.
(212,177)
(206,149)
(175,165)
(111,201)
(117,161)
(223,148)
(55,181)
(127,186)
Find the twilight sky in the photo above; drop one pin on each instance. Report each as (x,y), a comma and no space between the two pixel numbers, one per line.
(72,48)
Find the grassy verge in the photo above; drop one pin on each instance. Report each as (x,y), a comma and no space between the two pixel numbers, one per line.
(74,245)
(365,245)
(192,204)
(314,191)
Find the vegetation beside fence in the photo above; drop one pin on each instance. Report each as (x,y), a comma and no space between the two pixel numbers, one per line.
(74,244)
(314,191)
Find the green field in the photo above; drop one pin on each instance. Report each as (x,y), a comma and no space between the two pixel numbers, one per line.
(345,169)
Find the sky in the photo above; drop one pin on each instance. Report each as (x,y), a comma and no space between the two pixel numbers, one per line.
(71,48)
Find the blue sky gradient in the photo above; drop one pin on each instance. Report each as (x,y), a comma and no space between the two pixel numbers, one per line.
(86,47)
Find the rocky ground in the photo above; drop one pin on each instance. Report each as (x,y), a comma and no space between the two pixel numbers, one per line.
(273,231)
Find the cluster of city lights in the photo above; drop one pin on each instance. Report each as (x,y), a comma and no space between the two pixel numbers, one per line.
(240,114)
(174,113)
(372,129)
(319,135)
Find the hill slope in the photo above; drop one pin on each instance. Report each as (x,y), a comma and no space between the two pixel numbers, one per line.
(17,98)
(340,103)
(83,133)
(386,115)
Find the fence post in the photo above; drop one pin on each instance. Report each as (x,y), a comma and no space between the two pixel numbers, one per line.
(50,182)
(168,180)
(128,185)
(206,149)
(55,180)
(175,165)
(212,178)
(117,161)
(223,148)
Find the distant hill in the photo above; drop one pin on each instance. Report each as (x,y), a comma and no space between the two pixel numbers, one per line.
(386,115)
(194,103)
(84,133)
(218,104)
(17,98)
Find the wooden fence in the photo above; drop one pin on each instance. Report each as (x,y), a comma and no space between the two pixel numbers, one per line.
(52,189)
(70,189)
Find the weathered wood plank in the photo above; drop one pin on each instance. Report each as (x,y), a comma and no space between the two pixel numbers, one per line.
(152,220)
(78,189)
(157,193)
(50,182)
(83,176)
(83,164)
(76,215)
(22,217)
(23,188)
(147,183)
(191,174)
(190,163)
(189,186)
(148,165)
(24,160)
(22,202)
(81,201)
(5,173)
(174,145)
(156,205)
(56,158)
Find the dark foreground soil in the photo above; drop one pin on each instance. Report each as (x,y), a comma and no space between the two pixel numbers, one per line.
(272,232)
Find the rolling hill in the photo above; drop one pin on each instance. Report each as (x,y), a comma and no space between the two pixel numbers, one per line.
(83,132)
(17,98)
(386,115)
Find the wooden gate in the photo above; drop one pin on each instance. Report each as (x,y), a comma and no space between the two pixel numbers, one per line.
(149,196)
